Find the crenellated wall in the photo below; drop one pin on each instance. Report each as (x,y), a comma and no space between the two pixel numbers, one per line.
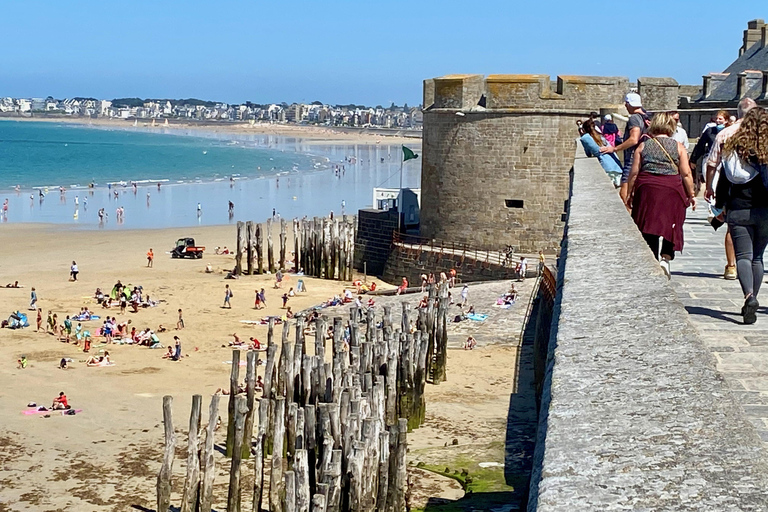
(497,151)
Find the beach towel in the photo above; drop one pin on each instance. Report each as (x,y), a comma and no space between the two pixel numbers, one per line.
(477,317)
(100,365)
(31,412)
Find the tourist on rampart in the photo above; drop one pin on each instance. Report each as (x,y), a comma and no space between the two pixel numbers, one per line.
(637,126)
(592,141)
(611,131)
(660,188)
(745,170)
(707,139)
(712,167)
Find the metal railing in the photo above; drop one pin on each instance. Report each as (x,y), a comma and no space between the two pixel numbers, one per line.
(500,258)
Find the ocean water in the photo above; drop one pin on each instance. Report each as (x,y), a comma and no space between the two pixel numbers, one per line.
(258,173)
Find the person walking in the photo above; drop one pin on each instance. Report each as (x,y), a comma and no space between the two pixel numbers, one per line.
(745,169)
(33,299)
(635,133)
(150,257)
(180,322)
(73,271)
(611,131)
(660,188)
(707,139)
(227,295)
(713,163)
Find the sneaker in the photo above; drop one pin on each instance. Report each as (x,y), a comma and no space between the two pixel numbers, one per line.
(749,310)
(665,267)
(730,272)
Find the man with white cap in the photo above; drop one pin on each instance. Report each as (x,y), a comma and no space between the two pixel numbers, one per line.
(636,126)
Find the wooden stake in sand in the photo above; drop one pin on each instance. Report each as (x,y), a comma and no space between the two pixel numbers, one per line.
(234,377)
(208,461)
(250,391)
(259,250)
(283,243)
(164,477)
(250,247)
(190,496)
(239,248)
(233,498)
(270,248)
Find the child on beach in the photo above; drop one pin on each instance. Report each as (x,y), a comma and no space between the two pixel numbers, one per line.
(257,301)
(180,323)
(227,295)
(285,300)
(73,271)
(60,402)
(22,362)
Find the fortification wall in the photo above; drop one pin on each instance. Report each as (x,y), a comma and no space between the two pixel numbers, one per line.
(497,151)
(634,415)
(373,239)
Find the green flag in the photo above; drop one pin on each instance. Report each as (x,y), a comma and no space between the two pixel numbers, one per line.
(408,154)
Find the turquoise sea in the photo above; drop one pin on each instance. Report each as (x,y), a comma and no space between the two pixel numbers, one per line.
(256,172)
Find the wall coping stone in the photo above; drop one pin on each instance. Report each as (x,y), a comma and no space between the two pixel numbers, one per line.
(634,415)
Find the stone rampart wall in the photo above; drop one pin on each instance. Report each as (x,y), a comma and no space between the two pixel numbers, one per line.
(373,239)
(497,151)
(634,415)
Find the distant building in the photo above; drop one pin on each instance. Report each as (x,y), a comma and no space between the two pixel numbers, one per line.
(746,77)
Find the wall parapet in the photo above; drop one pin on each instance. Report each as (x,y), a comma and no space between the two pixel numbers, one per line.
(634,415)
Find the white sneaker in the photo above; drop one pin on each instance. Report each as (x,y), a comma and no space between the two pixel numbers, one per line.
(665,267)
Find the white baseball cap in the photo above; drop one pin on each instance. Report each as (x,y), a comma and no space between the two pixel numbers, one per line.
(607,117)
(633,99)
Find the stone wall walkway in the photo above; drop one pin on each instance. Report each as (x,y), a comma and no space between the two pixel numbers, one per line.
(714,306)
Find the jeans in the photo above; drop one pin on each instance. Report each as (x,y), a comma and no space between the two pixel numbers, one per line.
(749,230)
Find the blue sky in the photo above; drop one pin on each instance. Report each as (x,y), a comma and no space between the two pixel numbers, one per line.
(341,51)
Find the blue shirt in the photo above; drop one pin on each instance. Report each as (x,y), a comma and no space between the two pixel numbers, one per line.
(609,161)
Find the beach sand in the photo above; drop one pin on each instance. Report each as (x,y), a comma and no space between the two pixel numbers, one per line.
(307,133)
(107,457)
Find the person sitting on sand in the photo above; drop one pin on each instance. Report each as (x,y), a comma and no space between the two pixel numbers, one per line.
(169,353)
(21,363)
(63,364)
(291,293)
(256,343)
(403,287)
(470,343)
(100,361)
(60,402)
(236,342)
(160,328)
(424,302)
(14,285)
(289,313)
(259,383)
(209,269)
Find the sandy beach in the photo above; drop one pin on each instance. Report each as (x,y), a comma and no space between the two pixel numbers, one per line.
(107,457)
(308,134)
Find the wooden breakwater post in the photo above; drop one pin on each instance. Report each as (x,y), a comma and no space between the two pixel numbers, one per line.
(283,244)
(259,249)
(239,247)
(250,244)
(270,248)
(191,497)
(296,245)
(338,429)
(166,469)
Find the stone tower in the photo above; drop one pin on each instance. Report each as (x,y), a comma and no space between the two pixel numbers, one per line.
(497,152)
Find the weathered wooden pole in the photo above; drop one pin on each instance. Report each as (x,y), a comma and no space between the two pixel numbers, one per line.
(296,248)
(283,243)
(301,469)
(276,476)
(234,377)
(270,248)
(259,249)
(383,469)
(250,394)
(233,497)
(289,502)
(190,494)
(441,335)
(166,469)
(208,460)
(248,247)
(239,248)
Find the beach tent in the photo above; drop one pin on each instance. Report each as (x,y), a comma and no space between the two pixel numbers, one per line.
(126,294)
(17,320)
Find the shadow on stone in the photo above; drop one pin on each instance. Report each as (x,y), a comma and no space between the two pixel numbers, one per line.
(473,501)
(712,313)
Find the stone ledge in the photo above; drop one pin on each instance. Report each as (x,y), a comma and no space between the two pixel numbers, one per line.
(634,414)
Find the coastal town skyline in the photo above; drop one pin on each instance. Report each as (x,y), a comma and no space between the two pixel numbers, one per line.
(342,52)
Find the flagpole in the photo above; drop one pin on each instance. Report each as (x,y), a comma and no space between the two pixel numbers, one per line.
(400,195)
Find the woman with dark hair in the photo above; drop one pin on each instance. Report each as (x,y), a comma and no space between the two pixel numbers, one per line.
(745,163)
(660,188)
(593,140)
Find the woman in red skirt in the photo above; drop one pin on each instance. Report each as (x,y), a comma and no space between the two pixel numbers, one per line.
(660,189)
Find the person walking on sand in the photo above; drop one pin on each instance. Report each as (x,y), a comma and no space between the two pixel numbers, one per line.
(180,323)
(263,297)
(39,319)
(227,295)
(150,257)
(33,299)
(73,271)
